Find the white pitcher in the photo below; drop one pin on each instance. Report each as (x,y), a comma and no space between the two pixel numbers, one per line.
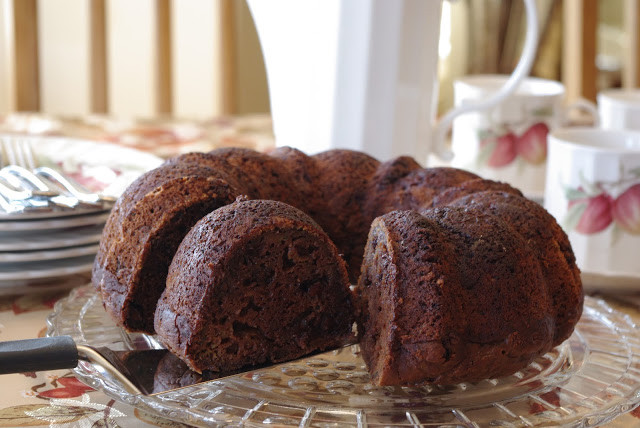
(362,74)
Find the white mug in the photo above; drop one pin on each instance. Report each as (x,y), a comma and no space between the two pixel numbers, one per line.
(593,190)
(362,74)
(619,108)
(509,141)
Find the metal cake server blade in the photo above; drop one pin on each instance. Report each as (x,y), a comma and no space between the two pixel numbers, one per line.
(61,352)
(147,371)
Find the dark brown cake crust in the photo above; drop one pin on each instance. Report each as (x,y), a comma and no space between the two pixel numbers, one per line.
(253,282)
(551,250)
(342,190)
(473,290)
(153,215)
(460,237)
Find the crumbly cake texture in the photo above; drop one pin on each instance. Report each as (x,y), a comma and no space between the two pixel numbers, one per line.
(143,233)
(452,236)
(254,282)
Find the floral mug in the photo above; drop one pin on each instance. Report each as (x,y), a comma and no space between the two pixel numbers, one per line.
(619,108)
(509,142)
(593,190)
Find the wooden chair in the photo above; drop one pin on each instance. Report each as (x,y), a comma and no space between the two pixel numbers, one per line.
(580,20)
(142,58)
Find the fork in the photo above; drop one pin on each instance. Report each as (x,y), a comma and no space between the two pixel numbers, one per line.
(32,189)
(16,175)
(13,200)
(75,189)
(19,152)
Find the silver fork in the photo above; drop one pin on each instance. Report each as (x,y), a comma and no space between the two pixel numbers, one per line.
(19,152)
(34,190)
(18,176)
(17,200)
(75,189)
(16,196)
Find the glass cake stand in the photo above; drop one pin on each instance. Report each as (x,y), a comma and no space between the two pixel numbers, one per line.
(590,379)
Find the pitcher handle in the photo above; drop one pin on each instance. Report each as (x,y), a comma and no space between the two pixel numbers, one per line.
(520,72)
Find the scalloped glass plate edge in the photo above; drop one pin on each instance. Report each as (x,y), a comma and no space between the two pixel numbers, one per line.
(589,380)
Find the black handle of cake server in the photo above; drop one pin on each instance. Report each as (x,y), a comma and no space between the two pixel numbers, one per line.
(32,355)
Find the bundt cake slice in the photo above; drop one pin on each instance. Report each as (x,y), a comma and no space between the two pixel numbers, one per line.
(457,294)
(143,232)
(254,282)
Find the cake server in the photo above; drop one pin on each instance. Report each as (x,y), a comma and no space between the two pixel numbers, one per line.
(147,371)
(61,352)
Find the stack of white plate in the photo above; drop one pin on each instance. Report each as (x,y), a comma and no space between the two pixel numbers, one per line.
(55,248)
(44,247)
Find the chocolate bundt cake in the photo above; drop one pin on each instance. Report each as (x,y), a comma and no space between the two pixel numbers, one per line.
(254,282)
(442,236)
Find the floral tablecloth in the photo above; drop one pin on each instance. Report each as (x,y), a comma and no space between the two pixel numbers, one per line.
(54,398)
(164,137)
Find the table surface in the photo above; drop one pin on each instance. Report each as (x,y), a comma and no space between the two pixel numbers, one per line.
(57,398)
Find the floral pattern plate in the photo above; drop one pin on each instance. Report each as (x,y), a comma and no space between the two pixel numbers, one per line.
(103,168)
(590,379)
(100,167)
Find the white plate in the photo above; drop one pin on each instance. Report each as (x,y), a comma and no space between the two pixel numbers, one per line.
(20,223)
(593,281)
(46,269)
(55,254)
(44,240)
